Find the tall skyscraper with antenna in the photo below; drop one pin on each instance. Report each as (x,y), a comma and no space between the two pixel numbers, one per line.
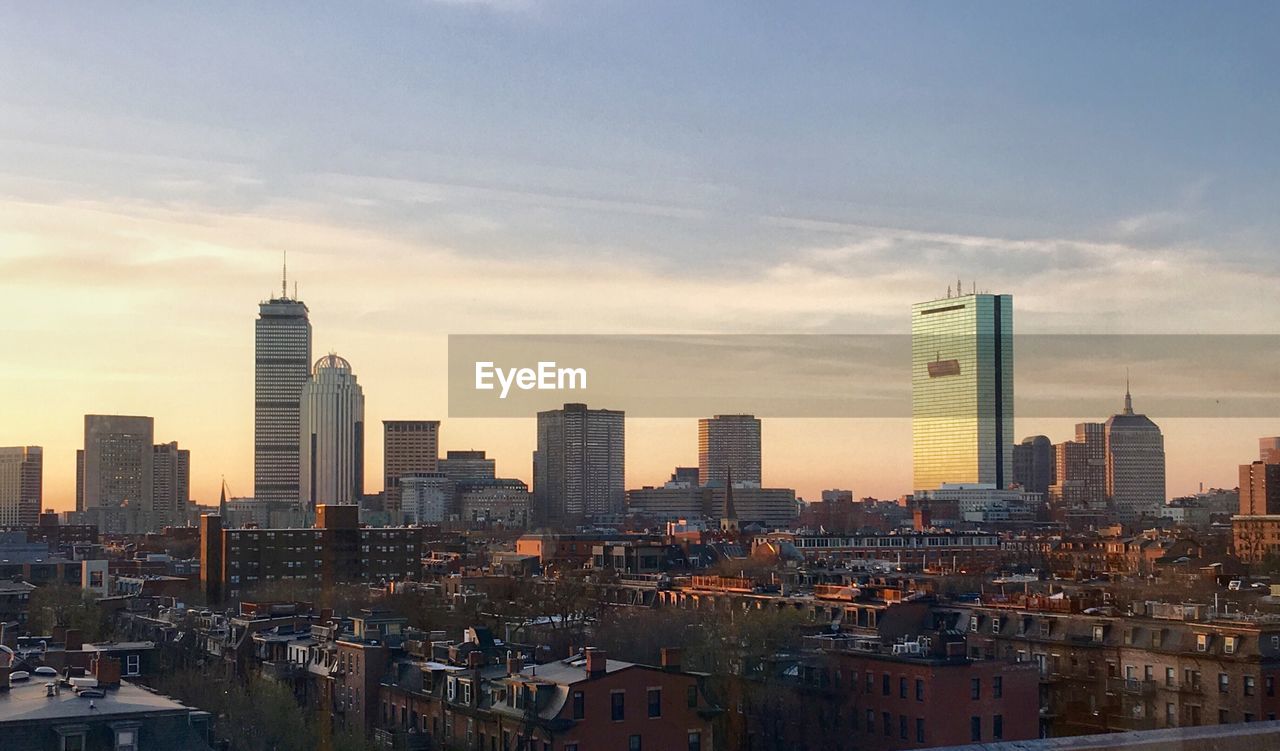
(282,365)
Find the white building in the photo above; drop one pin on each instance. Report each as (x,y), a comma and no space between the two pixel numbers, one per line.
(426,497)
(984,502)
(332,435)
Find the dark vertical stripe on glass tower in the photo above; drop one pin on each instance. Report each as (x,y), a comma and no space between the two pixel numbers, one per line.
(999,356)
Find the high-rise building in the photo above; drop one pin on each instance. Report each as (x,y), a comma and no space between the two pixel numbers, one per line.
(427,497)
(21,485)
(1033,464)
(578,465)
(1135,464)
(1259,489)
(332,435)
(116,462)
(962,390)
(282,364)
(408,446)
(687,476)
(1080,470)
(171,485)
(729,444)
(1269,449)
(468,466)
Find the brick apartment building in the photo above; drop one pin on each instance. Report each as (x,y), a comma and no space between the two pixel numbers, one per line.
(336,550)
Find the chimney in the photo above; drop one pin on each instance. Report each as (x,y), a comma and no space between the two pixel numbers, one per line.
(58,635)
(106,670)
(4,677)
(515,663)
(475,659)
(671,659)
(596,662)
(74,641)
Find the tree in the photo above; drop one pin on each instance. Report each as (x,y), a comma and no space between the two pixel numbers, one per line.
(64,606)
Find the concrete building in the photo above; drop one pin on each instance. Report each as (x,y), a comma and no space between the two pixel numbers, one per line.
(502,502)
(115,479)
(979,502)
(1135,464)
(672,502)
(1080,470)
(426,498)
(21,485)
(408,446)
(1269,449)
(962,390)
(729,444)
(468,466)
(1033,464)
(1259,489)
(579,464)
(171,486)
(332,437)
(282,364)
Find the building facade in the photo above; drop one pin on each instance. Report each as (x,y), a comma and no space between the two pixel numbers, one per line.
(1033,464)
(729,445)
(427,497)
(468,466)
(21,485)
(579,464)
(1259,488)
(282,364)
(115,467)
(1135,464)
(332,435)
(407,446)
(171,488)
(962,390)
(1080,470)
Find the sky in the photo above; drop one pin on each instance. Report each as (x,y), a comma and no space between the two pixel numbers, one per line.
(520,166)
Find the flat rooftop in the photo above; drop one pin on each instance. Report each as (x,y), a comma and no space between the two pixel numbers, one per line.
(26,701)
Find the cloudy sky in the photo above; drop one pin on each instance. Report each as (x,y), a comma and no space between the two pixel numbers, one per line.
(518,166)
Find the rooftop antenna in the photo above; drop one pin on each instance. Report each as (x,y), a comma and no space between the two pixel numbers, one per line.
(948,291)
(959,287)
(284,274)
(1128,399)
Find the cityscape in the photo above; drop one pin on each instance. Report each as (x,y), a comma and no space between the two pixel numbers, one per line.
(302,540)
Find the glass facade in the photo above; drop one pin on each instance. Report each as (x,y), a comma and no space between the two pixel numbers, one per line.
(962,391)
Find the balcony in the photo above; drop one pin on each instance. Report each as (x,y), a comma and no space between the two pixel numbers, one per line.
(1134,686)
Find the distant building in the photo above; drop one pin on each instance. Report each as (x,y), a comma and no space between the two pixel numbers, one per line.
(1080,470)
(115,479)
(979,502)
(1033,464)
(579,464)
(686,475)
(468,466)
(837,496)
(1135,464)
(332,435)
(407,446)
(670,503)
(426,497)
(1269,449)
(774,508)
(502,502)
(1259,489)
(21,484)
(282,365)
(962,390)
(729,443)
(171,487)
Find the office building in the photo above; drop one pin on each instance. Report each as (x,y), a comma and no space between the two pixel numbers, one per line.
(962,390)
(1033,464)
(332,435)
(1259,489)
(408,446)
(115,478)
(1269,449)
(689,476)
(468,466)
(1080,470)
(171,485)
(729,444)
(21,485)
(426,498)
(502,502)
(578,465)
(1135,464)
(282,364)
(773,508)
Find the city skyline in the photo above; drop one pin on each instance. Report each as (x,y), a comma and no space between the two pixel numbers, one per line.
(649,186)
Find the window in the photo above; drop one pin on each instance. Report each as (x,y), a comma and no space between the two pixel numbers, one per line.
(919,730)
(1270,683)
(902,687)
(617,706)
(887,723)
(655,702)
(973,623)
(132,664)
(1248,716)
(997,727)
(902,727)
(997,686)
(695,741)
(871,721)
(919,689)
(1171,714)
(72,738)
(579,705)
(691,699)
(975,688)
(1229,645)
(1224,717)
(1202,642)
(633,743)
(1224,683)
(975,729)
(1168,677)
(570,747)
(1098,633)
(871,682)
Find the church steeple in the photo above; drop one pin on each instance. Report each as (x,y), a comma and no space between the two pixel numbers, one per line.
(729,522)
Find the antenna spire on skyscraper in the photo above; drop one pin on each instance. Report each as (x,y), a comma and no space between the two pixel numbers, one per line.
(1128,398)
(284,274)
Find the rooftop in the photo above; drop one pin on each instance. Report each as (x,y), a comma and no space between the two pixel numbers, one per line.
(28,700)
